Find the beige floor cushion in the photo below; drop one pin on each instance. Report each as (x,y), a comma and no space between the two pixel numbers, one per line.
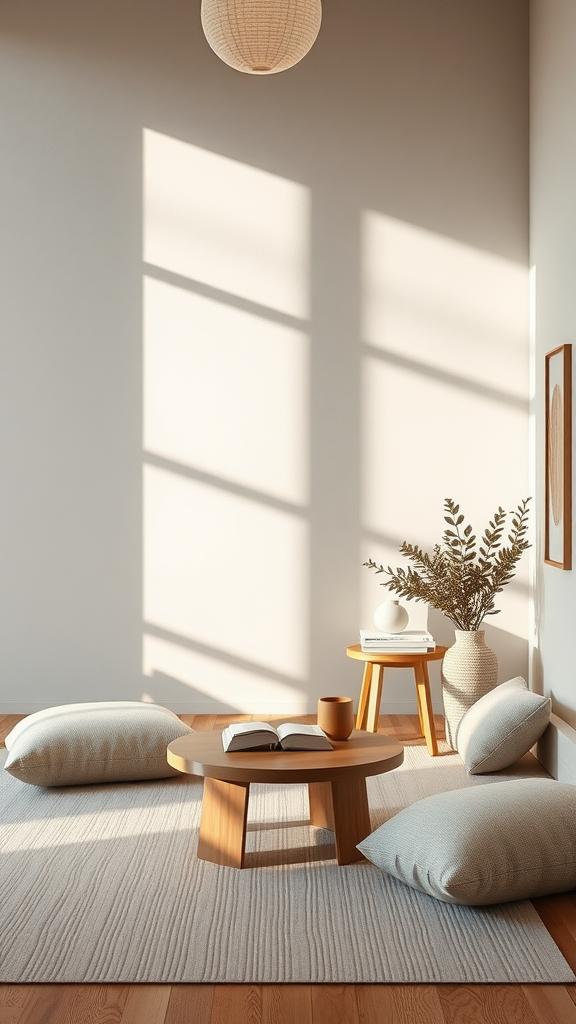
(491,844)
(501,726)
(75,744)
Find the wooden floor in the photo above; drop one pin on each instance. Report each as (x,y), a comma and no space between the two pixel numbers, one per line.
(306,1004)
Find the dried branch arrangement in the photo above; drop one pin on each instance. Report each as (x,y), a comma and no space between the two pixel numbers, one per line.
(461,577)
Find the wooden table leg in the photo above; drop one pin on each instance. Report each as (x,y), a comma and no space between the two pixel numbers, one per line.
(425,706)
(222,838)
(361,717)
(342,807)
(351,818)
(373,712)
(321,810)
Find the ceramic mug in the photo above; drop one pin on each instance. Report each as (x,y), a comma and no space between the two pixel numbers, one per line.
(336,717)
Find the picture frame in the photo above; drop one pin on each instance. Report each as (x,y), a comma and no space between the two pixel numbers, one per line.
(558,458)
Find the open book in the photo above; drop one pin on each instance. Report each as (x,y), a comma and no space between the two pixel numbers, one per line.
(262,736)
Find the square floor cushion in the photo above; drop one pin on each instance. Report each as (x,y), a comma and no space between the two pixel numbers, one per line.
(491,844)
(501,726)
(75,744)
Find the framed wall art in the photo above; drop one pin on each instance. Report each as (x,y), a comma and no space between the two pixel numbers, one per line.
(558,510)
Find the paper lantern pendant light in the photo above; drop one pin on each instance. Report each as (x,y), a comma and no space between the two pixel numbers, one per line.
(261,37)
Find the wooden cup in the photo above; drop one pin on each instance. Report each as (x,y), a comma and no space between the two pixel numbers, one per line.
(336,717)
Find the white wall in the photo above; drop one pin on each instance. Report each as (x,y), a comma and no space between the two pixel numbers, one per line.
(553,258)
(254,331)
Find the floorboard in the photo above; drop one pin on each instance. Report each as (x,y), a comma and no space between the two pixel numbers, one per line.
(190,1004)
(400,1004)
(241,1004)
(44,1004)
(287,1004)
(145,1004)
(485,1004)
(12,999)
(558,913)
(306,1004)
(551,1004)
(92,1004)
(334,1004)
(202,722)
(8,722)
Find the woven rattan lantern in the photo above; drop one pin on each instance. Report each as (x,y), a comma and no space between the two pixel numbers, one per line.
(261,37)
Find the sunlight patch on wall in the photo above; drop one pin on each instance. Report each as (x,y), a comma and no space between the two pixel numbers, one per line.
(225,391)
(226,572)
(444,304)
(216,220)
(412,462)
(444,395)
(226,462)
(248,691)
(424,436)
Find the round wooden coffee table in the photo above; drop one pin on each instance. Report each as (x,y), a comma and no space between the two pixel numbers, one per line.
(336,787)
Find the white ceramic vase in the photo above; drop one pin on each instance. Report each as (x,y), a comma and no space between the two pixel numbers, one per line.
(390,617)
(469,670)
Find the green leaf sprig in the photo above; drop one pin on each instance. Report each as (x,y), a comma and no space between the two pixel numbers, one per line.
(461,577)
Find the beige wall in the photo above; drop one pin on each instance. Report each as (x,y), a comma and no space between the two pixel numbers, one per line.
(553,258)
(254,331)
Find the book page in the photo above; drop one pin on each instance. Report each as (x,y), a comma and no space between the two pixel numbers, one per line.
(294,729)
(247,728)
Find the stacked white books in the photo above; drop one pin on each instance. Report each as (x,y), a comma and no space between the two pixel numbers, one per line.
(411,641)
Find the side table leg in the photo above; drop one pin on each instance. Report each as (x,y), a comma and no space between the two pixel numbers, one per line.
(351,818)
(373,713)
(419,704)
(361,717)
(222,838)
(425,706)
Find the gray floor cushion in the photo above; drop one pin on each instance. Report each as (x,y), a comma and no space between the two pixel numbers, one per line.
(75,744)
(491,844)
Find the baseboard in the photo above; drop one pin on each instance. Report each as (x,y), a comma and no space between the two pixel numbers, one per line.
(27,707)
(556,750)
(213,707)
(180,707)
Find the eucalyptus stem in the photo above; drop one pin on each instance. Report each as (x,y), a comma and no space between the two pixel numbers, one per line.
(461,577)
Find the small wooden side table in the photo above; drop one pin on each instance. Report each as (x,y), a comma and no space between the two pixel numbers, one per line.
(372,682)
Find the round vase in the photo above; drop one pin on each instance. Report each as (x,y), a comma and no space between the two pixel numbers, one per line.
(391,617)
(469,670)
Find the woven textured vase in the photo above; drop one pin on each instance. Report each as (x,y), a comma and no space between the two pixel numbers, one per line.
(261,37)
(469,670)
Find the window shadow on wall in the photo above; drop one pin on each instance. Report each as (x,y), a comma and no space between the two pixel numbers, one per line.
(304,358)
(334,279)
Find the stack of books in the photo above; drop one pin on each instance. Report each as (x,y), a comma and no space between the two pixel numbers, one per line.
(411,641)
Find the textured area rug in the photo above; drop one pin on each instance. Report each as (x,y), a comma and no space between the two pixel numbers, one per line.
(102,884)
